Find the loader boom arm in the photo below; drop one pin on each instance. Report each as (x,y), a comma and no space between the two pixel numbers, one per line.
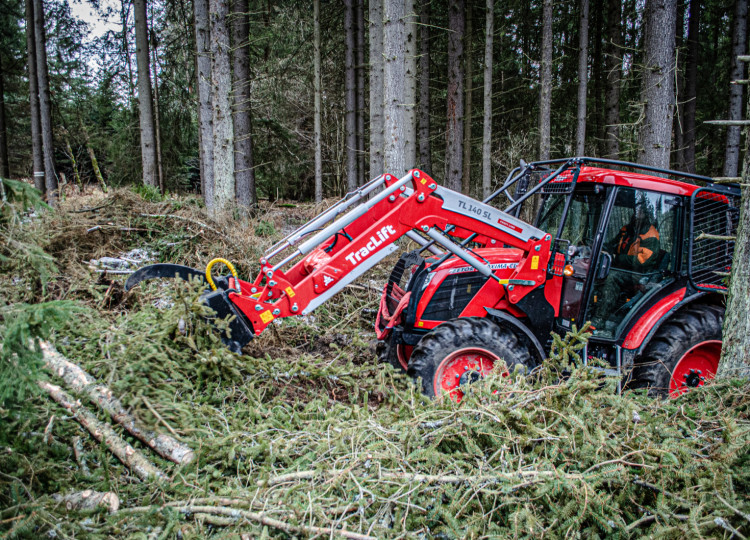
(330,253)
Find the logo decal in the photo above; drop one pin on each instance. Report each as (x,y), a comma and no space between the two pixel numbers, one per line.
(355,257)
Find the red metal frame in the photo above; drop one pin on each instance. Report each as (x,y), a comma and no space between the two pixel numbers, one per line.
(286,293)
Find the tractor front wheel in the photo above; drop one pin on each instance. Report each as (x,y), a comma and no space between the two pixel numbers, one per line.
(461,351)
(683,354)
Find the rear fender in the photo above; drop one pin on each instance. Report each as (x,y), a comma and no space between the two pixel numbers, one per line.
(506,320)
(641,333)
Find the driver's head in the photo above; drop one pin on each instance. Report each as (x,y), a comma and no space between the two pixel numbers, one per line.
(642,213)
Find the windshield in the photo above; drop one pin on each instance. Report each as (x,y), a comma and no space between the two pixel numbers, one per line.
(583,215)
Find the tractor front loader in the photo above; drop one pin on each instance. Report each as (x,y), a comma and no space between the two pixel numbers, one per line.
(492,287)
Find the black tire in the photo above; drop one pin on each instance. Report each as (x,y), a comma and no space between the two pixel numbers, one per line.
(465,333)
(388,354)
(688,328)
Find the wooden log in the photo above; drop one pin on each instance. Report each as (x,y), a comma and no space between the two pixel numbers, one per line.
(89,500)
(103,432)
(81,382)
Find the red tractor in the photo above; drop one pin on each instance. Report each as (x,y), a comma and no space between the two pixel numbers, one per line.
(644,258)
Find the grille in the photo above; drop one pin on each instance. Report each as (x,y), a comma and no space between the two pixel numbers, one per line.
(715,217)
(453,295)
(563,183)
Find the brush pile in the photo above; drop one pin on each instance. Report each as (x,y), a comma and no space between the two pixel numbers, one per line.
(305,435)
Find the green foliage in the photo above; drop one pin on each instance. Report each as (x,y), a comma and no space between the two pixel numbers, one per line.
(265,229)
(148,193)
(22,327)
(18,197)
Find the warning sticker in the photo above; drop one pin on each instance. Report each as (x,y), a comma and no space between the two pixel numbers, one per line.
(289,292)
(266,316)
(535,262)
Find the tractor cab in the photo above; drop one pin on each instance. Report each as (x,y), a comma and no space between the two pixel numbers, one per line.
(622,244)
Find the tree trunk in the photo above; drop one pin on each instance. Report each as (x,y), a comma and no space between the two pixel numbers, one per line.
(145,99)
(4,162)
(657,92)
(613,60)
(377,119)
(45,107)
(678,160)
(350,96)
(455,104)
(316,84)
(124,15)
(360,72)
(545,83)
(583,76)
(468,106)
(425,154)
(221,86)
(394,87)
(80,382)
(410,97)
(487,127)
(739,38)
(736,335)
(157,116)
(103,432)
(92,157)
(691,84)
(205,107)
(244,174)
(36,123)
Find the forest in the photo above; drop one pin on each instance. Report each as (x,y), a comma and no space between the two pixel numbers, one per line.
(176,131)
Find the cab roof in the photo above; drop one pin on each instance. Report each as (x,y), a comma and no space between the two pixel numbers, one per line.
(649,182)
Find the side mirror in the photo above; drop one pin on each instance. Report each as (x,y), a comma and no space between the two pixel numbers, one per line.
(605,265)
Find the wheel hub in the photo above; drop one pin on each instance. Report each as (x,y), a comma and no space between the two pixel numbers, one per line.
(462,368)
(696,366)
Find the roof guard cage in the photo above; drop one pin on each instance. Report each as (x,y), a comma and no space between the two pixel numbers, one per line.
(714,215)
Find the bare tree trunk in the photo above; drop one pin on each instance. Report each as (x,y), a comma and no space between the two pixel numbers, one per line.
(145,98)
(614,76)
(583,76)
(736,335)
(394,86)
(739,39)
(468,93)
(350,96)
(455,105)
(45,107)
(425,154)
(658,82)
(36,123)
(244,174)
(124,15)
(678,159)
(205,107)
(377,103)
(360,72)
(221,85)
(545,83)
(316,84)
(691,84)
(487,127)
(410,97)
(4,162)
(157,116)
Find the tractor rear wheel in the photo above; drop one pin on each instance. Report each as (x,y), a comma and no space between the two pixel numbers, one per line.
(462,351)
(683,354)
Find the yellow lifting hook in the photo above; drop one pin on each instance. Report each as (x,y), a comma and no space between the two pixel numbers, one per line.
(232,270)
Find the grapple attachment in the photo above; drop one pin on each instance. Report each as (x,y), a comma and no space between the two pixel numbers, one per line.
(218,299)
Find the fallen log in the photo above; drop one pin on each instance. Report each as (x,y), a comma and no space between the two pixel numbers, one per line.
(81,382)
(89,500)
(103,432)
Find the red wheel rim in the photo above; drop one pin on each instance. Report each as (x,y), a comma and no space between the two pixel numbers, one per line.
(696,366)
(403,353)
(461,367)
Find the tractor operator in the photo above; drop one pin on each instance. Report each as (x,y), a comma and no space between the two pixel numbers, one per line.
(635,251)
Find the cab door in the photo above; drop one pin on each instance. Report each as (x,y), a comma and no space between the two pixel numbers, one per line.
(578,231)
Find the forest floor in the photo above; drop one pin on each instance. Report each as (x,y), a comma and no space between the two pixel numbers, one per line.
(306,434)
